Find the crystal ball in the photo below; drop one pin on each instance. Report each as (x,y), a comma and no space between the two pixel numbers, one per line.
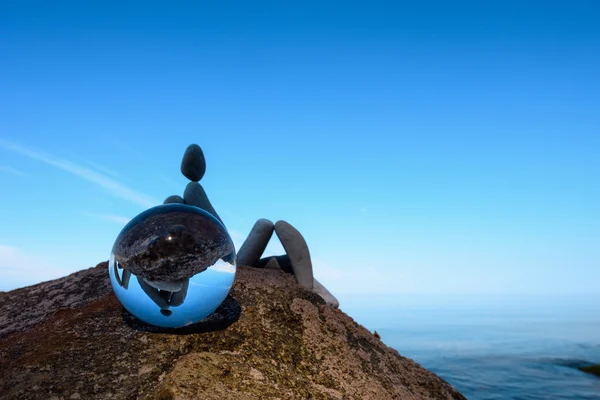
(172,265)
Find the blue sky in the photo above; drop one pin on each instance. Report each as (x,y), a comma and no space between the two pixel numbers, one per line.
(439,148)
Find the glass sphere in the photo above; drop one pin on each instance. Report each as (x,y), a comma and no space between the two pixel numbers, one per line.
(172,265)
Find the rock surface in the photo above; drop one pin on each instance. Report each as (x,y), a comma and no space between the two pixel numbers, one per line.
(174,199)
(193,164)
(70,338)
(296,248)
(256,242)
(22,308)
(195,195)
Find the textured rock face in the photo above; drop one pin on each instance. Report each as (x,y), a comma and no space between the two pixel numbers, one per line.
(283,263)
(296,248)
(256,243)
(23,308)
(195,195)
(70,338)
(193,164)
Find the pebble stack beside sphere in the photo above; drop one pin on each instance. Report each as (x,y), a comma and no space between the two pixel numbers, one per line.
(193,167)
(297,259)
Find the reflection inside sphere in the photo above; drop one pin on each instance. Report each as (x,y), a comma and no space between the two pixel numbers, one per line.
(172,265)
(198,297)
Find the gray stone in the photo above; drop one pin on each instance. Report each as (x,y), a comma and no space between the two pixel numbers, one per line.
(296,248)
(255,243)
(193,164)
(325,294)
(173,199)
(275,262)
(195,195)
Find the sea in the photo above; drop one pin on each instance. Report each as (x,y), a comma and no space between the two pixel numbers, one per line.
(493,347)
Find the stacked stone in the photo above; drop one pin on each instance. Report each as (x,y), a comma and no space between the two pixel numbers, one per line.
(193,167)
(296,260)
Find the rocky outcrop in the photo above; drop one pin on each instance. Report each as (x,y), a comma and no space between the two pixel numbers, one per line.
(22,308)
(271,339)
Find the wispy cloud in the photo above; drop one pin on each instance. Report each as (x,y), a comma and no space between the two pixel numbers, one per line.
(94,165)
(119,219)
(116,188)
(12,171)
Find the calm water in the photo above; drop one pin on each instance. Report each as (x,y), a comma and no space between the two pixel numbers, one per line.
(493,349)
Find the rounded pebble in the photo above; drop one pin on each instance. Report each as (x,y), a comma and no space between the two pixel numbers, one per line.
(193,164)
